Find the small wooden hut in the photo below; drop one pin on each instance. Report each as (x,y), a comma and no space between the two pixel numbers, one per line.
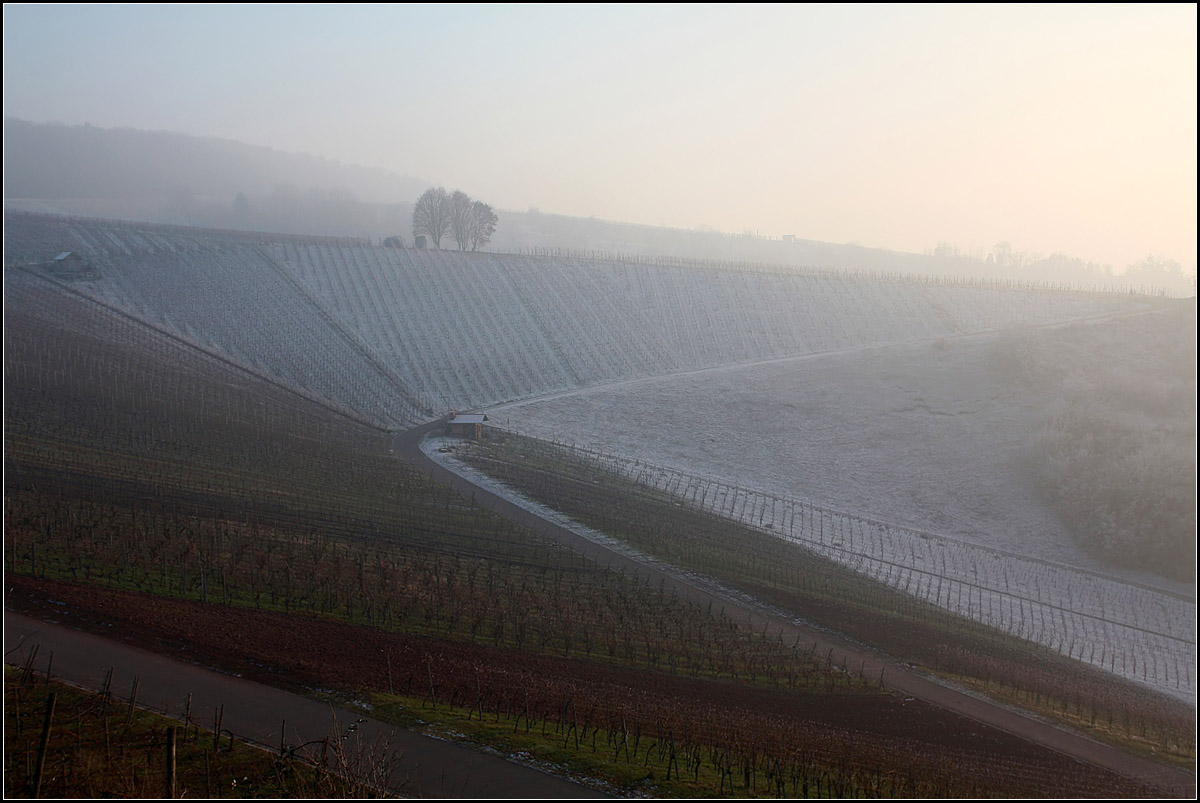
(467,425)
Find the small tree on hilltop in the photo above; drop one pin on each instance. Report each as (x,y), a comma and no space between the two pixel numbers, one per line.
(461,218)
(431,215)
(483,224)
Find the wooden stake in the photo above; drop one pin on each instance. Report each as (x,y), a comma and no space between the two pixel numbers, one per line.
(187,716)
(132,698)
(42,745)
(170,786)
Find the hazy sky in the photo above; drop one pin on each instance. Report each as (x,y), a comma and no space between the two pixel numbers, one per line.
(1057,128)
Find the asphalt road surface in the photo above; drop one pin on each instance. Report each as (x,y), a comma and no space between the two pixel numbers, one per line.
(420,766)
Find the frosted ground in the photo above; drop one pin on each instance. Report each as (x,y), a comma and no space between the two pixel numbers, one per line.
(922,436)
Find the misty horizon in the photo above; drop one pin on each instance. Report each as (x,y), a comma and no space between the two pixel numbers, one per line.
(173,178)
(1055,130)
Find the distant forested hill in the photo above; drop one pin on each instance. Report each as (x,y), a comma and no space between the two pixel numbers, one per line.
(46,160)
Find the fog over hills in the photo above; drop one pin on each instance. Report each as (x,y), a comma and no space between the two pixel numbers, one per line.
(805,386)
(165,177)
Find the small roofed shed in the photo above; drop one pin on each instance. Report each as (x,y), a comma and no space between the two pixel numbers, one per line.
(69,262)
(70,266)
(469,425)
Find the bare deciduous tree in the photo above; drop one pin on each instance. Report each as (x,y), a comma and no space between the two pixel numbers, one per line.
(483,224)
(431,215)
(461,218)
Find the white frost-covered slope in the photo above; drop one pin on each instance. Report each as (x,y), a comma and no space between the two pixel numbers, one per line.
(397,336)
(928,438)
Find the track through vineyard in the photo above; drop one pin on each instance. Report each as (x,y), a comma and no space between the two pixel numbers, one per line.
(869,663)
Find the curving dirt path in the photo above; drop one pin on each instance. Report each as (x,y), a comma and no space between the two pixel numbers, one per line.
(421,766)
(1175,782)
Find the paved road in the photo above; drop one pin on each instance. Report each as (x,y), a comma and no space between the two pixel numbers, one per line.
(1175,782)
(422,766)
